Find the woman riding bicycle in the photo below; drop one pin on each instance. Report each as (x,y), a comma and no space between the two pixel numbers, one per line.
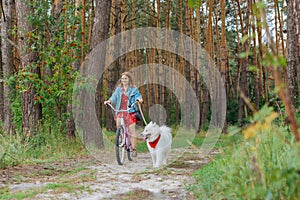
(125,95)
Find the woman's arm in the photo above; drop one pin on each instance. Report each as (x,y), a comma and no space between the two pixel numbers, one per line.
(114,96)
(135,95)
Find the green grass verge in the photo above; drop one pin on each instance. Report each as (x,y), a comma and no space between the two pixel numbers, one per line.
(38,148)
(264,167)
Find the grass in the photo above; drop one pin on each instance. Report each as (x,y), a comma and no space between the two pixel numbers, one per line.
(263,167)
(36,149)
(54,187)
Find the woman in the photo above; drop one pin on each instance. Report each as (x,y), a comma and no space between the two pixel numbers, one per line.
(124,95)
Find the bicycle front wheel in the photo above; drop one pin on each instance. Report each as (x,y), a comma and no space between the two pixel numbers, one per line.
(120,145)
(129,154)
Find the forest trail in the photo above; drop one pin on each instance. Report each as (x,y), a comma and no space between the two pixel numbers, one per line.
(86,178)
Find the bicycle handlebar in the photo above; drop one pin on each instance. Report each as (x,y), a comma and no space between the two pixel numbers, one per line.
(111,106)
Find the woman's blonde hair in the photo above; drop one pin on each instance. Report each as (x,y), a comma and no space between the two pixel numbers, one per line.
(130,79)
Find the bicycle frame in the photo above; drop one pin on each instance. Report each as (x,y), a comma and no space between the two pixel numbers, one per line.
(126,131)
(127,135)
(125,143)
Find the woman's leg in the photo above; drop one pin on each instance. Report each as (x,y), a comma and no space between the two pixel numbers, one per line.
(133,138)
(118,122)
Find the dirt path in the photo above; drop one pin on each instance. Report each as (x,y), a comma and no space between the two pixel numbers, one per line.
(86,178)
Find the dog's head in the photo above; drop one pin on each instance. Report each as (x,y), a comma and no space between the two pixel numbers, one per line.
(151,132)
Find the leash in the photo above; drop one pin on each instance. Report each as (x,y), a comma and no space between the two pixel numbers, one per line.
(140,108)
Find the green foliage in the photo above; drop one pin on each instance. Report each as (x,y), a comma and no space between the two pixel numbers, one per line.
(56,39)
(266,167)
(194,3)
(232,114)
(11,150)
(48,144)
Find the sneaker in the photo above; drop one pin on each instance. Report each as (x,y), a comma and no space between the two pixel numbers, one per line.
(134,153)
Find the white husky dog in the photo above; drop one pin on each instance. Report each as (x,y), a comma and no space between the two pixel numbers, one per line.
(159,140)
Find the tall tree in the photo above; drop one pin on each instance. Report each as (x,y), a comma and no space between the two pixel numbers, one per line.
(187,71)
(198,60)
(243,86)
(1,78)
(99,34)
(7,64)
(31,111)
(223,48)
(255,63)
(112,73)
(261,69)
(293,55)
(223,54)
(209,47)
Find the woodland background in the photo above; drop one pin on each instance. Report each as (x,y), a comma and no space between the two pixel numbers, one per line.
(254,44)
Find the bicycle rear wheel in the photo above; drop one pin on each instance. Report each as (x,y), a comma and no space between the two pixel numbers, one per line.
(120,145)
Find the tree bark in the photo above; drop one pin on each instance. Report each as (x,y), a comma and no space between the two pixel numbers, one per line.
(210,51)
(31,111)
(1,82)
(189,51)
(293,54)
(7,65)
(112,70)
(99,34)
(223,54)
(243,87)
(198,80)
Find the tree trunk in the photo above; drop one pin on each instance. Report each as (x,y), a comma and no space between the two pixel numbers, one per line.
(189,52)
(1,82)
(209,49)
(198,61)
(90,22)
(123,15)
(31,111)
(223,54)
(256,72)
(161,84)
(243,87)
(100,33)
(167,62)
(293,54)
(7,65)
(112,70)
(181,63)
(260,58)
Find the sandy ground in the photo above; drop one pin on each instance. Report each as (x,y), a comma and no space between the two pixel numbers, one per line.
(91,179)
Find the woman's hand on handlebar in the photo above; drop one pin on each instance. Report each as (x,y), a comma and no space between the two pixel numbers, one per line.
(107,102)
(140,100)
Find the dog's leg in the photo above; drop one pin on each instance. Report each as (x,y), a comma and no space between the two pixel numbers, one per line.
(159,159)
(165,161)
(153,156)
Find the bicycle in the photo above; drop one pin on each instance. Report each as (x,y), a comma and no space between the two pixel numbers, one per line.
(122,139)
